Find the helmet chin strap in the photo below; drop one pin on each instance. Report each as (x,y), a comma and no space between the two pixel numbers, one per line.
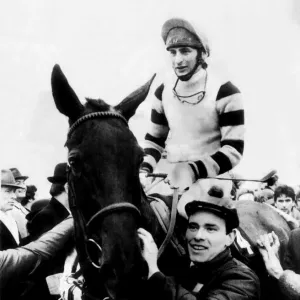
(189,75)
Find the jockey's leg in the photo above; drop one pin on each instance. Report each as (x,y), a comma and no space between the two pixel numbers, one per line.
(200,189)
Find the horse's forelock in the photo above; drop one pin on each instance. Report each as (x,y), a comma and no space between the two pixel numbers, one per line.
(93,105)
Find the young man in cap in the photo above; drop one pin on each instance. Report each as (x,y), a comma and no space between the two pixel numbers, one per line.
(197,118)
(9,233)
(211,272)
(19,212)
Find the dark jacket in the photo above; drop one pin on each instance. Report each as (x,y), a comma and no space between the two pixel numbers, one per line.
(46,219)
(17,264)
(292,254)
(7,241)
(289,282)
(222,278)
(43,221)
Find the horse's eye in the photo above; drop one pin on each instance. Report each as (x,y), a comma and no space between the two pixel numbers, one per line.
(74,160)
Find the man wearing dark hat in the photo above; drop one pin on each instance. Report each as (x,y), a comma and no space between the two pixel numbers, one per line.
(9,233)
(52,214)
(58,207)
(210,272)
(197,117)
(20,180)
(19,212)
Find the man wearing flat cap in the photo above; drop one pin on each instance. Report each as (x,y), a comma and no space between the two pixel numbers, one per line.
(210,272)
(19,212)
(197,118)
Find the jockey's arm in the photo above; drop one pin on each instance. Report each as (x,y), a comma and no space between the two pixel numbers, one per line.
(155,138)
(20,262)
(229,106)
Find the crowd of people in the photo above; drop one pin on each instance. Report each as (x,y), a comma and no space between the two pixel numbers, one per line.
(32,248)
(197,121)
(41,249)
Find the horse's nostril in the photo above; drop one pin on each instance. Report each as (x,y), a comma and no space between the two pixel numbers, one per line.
(94,252)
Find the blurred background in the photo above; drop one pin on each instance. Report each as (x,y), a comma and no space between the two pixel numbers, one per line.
(109,48)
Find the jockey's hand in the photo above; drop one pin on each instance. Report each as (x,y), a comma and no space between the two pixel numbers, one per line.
(181,177)
(149,251)
(145,181)
(269,256)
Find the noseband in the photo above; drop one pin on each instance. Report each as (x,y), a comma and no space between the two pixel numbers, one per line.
(102,213)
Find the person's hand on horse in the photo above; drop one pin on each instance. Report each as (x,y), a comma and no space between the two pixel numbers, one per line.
(145,181)
(149,250)
(182,176)
(267,245)
(273,241)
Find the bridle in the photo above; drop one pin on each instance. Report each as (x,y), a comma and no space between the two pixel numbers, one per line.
(96,115)
(102,213)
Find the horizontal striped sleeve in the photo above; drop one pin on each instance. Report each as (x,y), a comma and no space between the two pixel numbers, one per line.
(202,171)
(158,118)
(158,92)
(154,142)
(230,110)
(232,118)
(227,89)
(154,153)
(229,103)
(223,161)
(237,144)
(147,167)
(232,126)
(159,141)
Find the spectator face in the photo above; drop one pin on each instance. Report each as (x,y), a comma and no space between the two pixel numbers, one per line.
(7,199)
(284,203)
(206,236)
(21,193)
(183,59)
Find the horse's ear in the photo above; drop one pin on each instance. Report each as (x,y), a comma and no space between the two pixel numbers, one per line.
(129,105)
(65,98)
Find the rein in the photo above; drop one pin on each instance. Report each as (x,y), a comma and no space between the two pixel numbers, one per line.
(113,208)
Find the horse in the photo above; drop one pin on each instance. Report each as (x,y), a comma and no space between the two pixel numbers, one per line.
(108,203)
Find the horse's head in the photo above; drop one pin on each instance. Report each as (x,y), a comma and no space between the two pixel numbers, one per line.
(104,186)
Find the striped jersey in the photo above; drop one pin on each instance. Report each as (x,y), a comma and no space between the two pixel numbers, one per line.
(208,134)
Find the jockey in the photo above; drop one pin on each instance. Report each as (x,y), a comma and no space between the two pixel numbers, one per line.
(197,118)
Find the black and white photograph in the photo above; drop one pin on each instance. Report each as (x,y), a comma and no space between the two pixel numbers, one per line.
(150,150)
